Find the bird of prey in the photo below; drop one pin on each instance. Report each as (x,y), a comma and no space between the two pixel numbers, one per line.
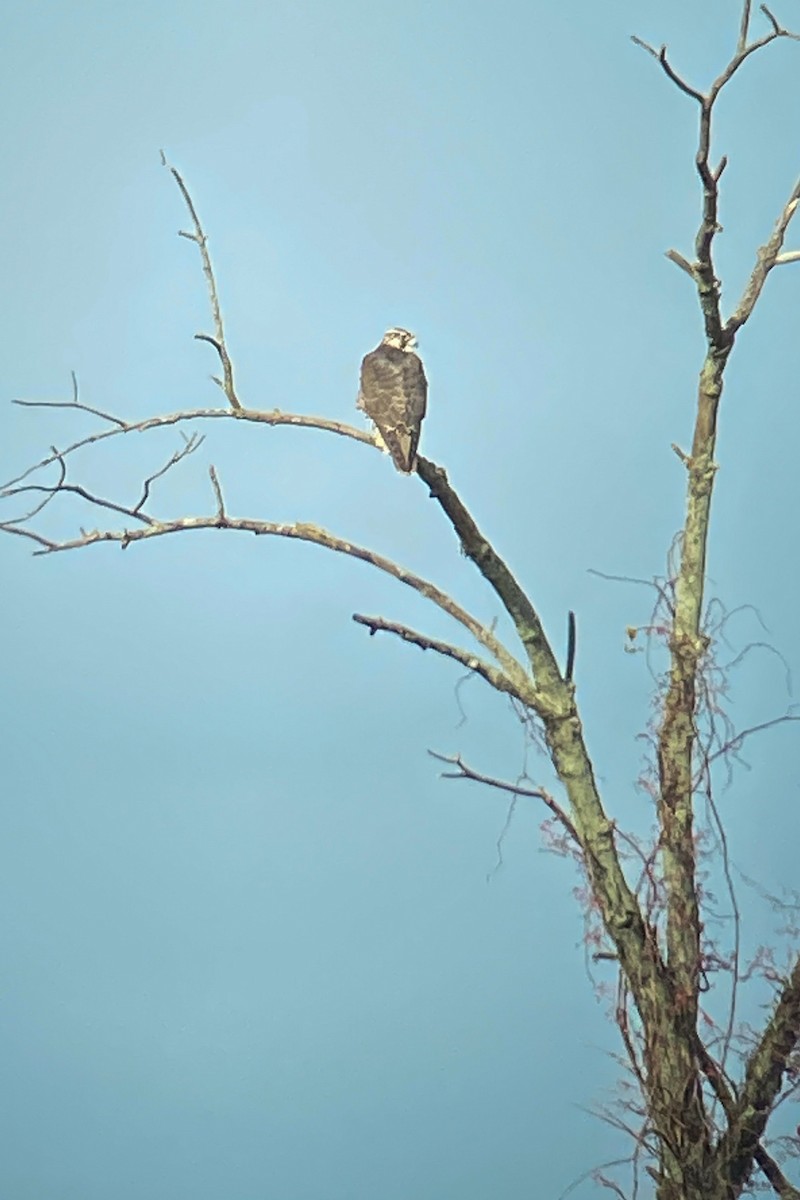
(393,394)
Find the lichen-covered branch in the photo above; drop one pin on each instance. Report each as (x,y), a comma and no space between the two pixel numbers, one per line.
(634,940)
(762,1082)
(496,573)
(555,705)
(682,1128)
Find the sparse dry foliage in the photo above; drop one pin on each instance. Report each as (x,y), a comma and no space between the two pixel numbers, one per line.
(697,1093)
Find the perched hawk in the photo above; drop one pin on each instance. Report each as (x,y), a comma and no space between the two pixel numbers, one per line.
(393,394)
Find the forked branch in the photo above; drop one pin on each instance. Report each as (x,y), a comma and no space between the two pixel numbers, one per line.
(198,236)
(720,334)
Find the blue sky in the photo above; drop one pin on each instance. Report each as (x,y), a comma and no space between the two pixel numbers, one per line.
(249,947)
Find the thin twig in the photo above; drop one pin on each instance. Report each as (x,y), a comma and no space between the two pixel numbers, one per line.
(199,237)
(190,445)
(73,403)
(676,78)
(637,41)
(734,744)
(775,26)
(226,383)
(661,56)
(75,489)
(49,495)
(463,771)
(96,412)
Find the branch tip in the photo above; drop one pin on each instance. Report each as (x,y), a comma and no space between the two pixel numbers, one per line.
(212,472)
(199,237)
(777,29)
(677,258)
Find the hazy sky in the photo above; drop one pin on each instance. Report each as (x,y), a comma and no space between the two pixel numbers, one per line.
(248,945)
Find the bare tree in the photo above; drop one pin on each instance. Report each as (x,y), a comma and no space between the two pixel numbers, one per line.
(699,1093)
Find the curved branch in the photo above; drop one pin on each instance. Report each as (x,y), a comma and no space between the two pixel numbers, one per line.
(74,403)
(497,679)
(518,680)
(660,56)
(463,771)
(190,444)
(71,489)
(258,416)
(672,74)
